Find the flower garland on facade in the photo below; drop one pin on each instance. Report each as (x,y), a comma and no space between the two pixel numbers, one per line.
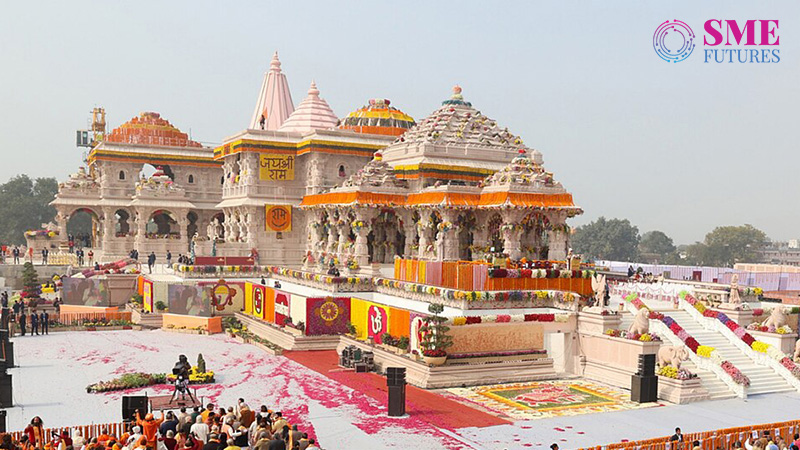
(691,343)
(539,273)
(455,294)
(505,318)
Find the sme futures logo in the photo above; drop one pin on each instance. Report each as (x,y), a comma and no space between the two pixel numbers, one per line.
(724,41)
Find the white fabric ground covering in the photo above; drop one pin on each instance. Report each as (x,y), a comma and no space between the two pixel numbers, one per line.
(55,370)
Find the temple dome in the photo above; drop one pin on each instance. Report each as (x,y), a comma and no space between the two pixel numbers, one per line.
(457,122)
(378,118)
(313,113)
(150,129)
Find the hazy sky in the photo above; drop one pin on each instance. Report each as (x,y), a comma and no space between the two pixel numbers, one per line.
(677,147)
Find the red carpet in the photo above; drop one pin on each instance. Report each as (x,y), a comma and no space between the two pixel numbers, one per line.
(424,405)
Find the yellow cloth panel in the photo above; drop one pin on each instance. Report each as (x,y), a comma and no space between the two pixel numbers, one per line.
(358,316)
(248,298)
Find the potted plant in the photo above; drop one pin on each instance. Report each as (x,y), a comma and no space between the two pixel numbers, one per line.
(402,345)
(435,340)
(160,306)
(351,330)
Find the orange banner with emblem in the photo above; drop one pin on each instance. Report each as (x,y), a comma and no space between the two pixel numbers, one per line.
(279,218)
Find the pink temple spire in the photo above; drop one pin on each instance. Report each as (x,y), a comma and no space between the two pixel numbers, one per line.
(274,104)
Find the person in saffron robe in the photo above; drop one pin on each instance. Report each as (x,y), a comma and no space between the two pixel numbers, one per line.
(35,432)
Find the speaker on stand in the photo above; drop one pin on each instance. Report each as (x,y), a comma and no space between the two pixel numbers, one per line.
(396,383)
(131,403)
(644,384)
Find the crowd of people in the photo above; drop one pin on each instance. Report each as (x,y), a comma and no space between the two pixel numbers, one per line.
(753,441)
(235,428)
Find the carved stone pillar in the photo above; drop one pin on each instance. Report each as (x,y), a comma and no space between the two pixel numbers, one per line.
(511,230)
(183,229)
(61,220)
(447,238)
(426,233)
(108,228)
(558,237)
(361,251)
(410,233)
(343,229)
(141,228)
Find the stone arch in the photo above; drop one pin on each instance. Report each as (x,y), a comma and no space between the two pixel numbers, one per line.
(191,227)
(122,226)
(83,226)
(534,235)
(465,225)
(496,240)
(162,224)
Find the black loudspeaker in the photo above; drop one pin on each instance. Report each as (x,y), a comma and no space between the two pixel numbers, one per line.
(131,403)
(5,390)
(5,316)
(2,420)
(7,348)
(397,401)
(644,389)
(647,365)
(395,376)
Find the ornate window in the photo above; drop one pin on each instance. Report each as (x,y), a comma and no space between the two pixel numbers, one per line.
(191,179)
(121,174)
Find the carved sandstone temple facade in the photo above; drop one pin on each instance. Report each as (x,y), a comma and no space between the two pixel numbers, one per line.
(300,186)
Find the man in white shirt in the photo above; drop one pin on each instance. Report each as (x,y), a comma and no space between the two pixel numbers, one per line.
(200,429)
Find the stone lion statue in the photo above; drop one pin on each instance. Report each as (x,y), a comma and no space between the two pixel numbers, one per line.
(777,318)
(670,355)
(796,355)
(641,324)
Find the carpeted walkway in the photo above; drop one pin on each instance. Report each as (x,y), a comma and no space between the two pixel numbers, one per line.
(424,405)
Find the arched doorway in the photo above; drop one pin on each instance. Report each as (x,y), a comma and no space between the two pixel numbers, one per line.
(465,225)
(162,225)
(83,227)
(534,235)
(191,228)
(496,240)
(385,240)
(122,227)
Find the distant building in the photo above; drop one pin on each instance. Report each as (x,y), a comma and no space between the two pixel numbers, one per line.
(781,253)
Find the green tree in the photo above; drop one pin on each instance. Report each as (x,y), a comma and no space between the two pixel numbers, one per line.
(612,239)
(656,245)
(728,245)
(31,289)
(25,205)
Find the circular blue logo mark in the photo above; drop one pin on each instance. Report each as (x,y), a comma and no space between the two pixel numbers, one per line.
(673,41)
